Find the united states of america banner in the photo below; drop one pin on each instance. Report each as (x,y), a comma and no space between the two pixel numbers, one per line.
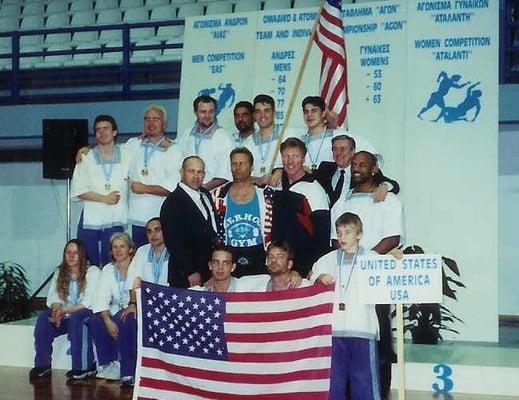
(330,39)
(207,345)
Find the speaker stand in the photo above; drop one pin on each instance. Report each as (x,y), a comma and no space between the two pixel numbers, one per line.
(68,209)
(68,238)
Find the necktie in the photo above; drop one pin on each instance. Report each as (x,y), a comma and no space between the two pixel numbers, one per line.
(208,217)
(338,189)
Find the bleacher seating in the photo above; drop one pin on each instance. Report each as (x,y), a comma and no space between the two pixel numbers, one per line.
(247,5)
(218,7)
(10,10)
(171,54)
(306,3)
(163,13)
(31,22)
(189,10)
(276,4)
(153,3)
(57,20)
(33,8)
(83,18)
(105,5)
(139,14)
(125,4)
(81,5)
(145,56)
(83,59)
(57,6)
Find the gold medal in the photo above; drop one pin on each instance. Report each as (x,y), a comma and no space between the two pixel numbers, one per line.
(144,172)
(107,187)
(342,307)
(262,170)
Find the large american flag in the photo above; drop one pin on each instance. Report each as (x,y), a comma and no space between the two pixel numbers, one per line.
(330,39)
(207,345)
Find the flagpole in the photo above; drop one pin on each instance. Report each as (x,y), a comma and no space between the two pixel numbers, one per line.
(400,350)
(295,89)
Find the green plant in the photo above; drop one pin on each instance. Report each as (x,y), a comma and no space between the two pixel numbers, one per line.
(426,321)
(14,294)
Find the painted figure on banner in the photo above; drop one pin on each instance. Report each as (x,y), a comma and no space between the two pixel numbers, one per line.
(459,113)
(446,83)
(226,97)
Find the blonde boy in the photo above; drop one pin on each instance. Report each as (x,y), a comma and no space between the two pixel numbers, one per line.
(354,325)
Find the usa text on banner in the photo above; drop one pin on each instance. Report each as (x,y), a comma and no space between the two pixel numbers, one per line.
(330,39)
(234,345)
(417,278)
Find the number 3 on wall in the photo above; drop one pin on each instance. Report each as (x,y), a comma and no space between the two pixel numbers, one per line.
(444,372)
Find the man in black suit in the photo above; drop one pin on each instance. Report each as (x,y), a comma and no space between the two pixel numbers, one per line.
(188,225)
(335,176)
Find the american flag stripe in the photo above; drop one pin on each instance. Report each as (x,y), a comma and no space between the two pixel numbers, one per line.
(290,359)
(190,393)
(238,388)
(239,377)
(277,327)
(281,357)
(330,39)
(320,359)
(313,294)
(278,336)
(276,346)
(278,316)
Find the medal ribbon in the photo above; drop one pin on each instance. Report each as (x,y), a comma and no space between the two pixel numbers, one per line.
(120,286)
(107,167)
(306,139)
(340,261)
(200,136)
(149,149)
(157,263)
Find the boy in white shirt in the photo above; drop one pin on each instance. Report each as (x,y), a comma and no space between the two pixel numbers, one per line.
(355,328)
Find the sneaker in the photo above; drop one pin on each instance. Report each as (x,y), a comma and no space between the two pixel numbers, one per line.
(111,371)
(127,381)
(40,372)
(82,373)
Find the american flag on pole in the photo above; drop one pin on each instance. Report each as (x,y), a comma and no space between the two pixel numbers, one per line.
(330,39)
(208,345)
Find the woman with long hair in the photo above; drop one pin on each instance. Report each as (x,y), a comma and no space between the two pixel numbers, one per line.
(69,301)
(112,299)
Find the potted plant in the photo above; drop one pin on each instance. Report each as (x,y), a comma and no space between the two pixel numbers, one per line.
(14,293)
(426,321)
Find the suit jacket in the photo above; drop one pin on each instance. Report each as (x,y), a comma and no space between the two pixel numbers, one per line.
(326,170)
(188,236)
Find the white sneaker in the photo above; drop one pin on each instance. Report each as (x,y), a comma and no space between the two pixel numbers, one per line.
(110,372)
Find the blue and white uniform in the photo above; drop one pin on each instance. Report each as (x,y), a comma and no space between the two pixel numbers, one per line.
(150,164)
(100,220)
(354,330)
(113,297)
(213,146)
(72,324)
(148,267)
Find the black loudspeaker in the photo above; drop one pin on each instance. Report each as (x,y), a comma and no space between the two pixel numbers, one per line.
(62,138)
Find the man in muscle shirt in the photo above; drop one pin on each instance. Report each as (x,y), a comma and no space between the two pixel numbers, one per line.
(244,215)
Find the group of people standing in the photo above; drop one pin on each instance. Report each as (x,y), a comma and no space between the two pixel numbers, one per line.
(218,211)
